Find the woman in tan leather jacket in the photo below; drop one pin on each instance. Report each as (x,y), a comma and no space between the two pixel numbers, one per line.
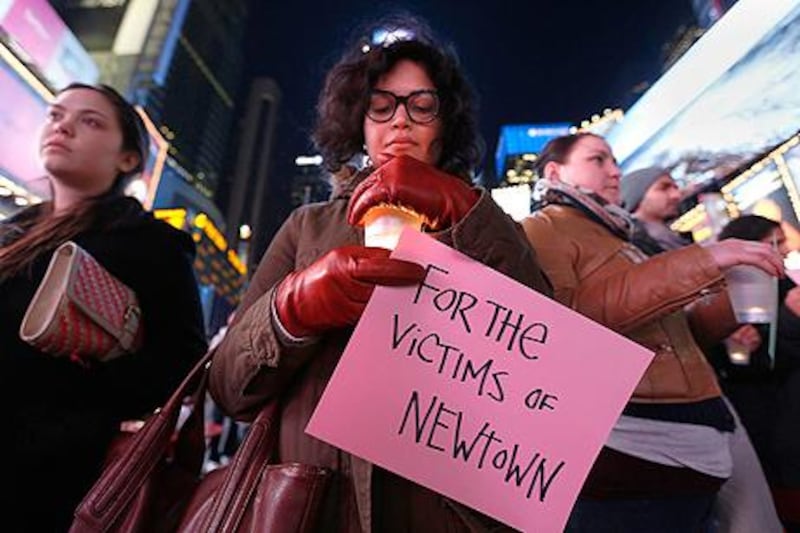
(405,102)
(669,452)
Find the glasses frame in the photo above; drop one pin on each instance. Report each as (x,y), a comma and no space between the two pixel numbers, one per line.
(404,100)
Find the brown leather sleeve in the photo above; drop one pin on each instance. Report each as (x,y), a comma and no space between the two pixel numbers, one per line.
(649,290)
(626,294)
(711,318)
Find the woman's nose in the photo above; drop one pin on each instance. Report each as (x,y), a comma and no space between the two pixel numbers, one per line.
(64,126)
(615,171)
(401,119)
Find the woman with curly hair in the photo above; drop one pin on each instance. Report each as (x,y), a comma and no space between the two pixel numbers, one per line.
(405,103)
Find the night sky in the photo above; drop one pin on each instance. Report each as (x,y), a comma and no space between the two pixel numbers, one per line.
(529,61)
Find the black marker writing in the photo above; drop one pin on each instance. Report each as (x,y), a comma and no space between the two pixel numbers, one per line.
(443,429)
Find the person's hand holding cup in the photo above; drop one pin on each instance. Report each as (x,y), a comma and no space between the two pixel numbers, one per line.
(751,269)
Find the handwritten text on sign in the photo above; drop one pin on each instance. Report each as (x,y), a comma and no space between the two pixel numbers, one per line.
(479,388)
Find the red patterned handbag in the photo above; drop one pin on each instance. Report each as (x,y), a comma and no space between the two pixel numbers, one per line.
(81,311)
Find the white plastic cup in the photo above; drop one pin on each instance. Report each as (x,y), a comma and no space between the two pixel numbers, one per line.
(383,225)
(753,294)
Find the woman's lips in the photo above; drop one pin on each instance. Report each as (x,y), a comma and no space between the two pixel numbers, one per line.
(402,142)
(56,145)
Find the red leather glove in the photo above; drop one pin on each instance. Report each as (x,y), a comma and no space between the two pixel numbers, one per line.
(441,198)
(333,291)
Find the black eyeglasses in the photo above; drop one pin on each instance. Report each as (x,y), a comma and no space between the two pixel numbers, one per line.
(422,106)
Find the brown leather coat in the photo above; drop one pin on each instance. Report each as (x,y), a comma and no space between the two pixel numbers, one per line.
(255,363)
(615,284)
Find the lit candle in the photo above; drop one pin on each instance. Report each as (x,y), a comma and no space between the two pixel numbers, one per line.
(384,223)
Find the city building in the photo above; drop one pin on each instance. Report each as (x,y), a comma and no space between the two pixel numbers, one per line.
(515,158)
(517,148)
(251,196)
(174,58)
(311,182)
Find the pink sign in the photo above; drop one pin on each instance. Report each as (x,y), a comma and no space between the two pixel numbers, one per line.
(479,388)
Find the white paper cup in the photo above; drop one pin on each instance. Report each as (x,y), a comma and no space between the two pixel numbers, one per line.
(383,225)
(753,293)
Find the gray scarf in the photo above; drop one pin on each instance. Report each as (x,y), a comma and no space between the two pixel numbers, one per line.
(613,217)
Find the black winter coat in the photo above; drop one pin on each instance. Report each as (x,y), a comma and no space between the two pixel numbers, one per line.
(58,416)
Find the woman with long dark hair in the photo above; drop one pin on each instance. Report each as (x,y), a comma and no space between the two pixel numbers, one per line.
(61,414)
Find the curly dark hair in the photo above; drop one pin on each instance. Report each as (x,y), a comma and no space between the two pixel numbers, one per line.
(339,130)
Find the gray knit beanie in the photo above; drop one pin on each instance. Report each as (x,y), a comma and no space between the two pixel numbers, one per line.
(634,185)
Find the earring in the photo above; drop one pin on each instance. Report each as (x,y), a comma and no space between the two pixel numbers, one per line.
(367,162)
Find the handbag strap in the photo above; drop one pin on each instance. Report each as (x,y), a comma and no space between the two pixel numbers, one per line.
(244,472)
(119,484)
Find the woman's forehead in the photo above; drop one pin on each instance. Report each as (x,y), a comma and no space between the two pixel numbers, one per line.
(592,143)
(84,99)
(405,74)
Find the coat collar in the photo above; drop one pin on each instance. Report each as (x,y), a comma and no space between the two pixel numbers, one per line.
(347,179)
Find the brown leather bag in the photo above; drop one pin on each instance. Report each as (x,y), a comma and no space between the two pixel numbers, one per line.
(155,485)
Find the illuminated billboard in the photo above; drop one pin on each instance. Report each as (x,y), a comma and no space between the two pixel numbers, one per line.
(733,96)
(762,191)
(792,160)
(708,12)
(769,188)
(42,39)
(519,139)
(21,115)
